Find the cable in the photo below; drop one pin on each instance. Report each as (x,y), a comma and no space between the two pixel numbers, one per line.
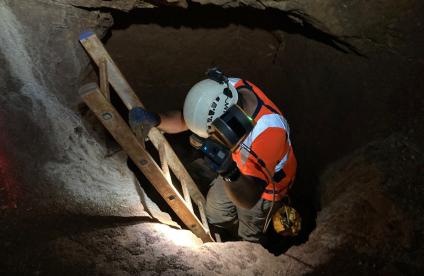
(262,163)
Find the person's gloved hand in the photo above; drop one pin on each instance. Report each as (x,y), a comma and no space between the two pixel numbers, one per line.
(219,159)
(140,117)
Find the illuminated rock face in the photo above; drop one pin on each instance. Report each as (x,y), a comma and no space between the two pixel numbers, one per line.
(50,161)
(54,173)
(69,203)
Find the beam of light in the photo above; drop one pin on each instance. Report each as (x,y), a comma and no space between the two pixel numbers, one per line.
(179,237)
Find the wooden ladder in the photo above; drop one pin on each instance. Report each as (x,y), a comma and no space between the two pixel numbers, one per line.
(98,100)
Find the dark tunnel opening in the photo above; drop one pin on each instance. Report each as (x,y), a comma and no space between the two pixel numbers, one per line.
(269,24)
(163,52)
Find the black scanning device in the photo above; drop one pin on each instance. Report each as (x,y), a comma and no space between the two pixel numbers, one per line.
(232,127)
(217,153)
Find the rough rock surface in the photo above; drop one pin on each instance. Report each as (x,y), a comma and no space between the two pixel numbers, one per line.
(346,99)
(67,209)
(367,225)
(371,221)
(382,23)
(50,162)
(125,5)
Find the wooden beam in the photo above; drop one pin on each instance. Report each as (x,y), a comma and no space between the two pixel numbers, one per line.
(97,52)
(217,237)
(114,123)
(186,194)
(165,169)
(164,163)
(138,131)
(177,166)
(203,216)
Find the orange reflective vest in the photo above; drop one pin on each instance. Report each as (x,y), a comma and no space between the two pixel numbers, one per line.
(270,141)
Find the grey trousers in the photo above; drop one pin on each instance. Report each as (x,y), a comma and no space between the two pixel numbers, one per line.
(247,223)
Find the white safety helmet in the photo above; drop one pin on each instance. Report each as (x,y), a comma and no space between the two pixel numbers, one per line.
(207,100)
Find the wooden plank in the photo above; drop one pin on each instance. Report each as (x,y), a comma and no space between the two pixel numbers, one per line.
(104,83)
(186,194)
(114,123)
(217,237)
(97,52)
(138,131)
(165,169)
(203,216)
(177,166)
(164,163)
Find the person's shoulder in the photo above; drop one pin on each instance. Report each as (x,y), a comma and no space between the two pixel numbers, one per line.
(234,80)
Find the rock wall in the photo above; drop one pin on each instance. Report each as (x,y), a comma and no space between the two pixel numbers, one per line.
(371,223)
(49,161)
(381,23)
(66,209)
(341,98)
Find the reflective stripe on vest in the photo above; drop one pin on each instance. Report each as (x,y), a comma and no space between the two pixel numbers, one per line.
(233,81)
(272,120)
(267,121)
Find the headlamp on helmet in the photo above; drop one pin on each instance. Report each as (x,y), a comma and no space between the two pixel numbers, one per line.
(210,109)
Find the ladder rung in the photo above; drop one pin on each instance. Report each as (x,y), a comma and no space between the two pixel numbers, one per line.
(109,72)
(164,163)
(114,123)
(186,194)
(97,52)
(165,169)
(217,237)
(203,216)
(176,166)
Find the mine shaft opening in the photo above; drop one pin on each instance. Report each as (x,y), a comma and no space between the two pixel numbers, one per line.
(163,52)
